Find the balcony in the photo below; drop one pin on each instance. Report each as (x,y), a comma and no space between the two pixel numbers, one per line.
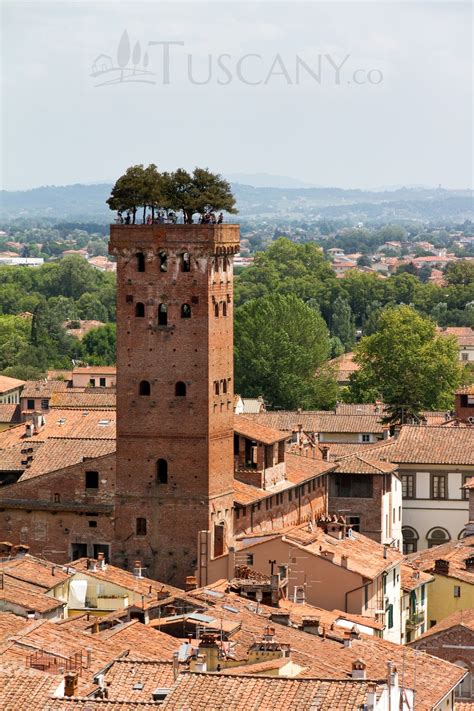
(415,619)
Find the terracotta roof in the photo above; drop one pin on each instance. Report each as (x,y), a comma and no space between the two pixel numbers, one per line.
(43,388)
(412,578)
(37,571)
(9,413)
(99,369)
(364,556)
(419,444)
(203,692)
(87,704)
(464,334)
(26,689)
(11,624)
(7,383)
(300,468)
(84,400)
(146,587)
(72,424)
(28,596)
(358,464)
(460,618)
(126,673)
(328,658)
(466,390)
(321,421)
(454,552)
(14,458)
(58,453)
(251,429)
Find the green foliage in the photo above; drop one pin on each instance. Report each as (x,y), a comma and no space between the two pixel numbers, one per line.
(343,323)
(199,192)
(407,365)
(460,273)
(100,345)
(280,344)
(286,268)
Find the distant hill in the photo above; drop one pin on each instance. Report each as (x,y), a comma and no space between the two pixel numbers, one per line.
(265,180)
(87,203)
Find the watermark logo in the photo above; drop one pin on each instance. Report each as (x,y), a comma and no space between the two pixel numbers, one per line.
(131,65)
(253,69)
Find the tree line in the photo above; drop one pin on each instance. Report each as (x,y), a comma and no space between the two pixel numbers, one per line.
(147,189)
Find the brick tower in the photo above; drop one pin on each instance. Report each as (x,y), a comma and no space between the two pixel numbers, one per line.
(174,394)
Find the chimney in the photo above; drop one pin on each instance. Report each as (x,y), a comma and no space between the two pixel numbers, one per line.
(441,566)
(29,429)
(137,569)
(392,674)
(310,625)
(91,564)
(71,682)
(385,552)
(347,639)
(359,669)
(325,453)
(200,665)
(89,657)
(175,665)
(371,695)
(329,555)
(101,560)
(281,618)
(344,561)
(190,583)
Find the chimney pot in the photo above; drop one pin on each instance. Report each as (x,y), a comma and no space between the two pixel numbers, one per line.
(70,684)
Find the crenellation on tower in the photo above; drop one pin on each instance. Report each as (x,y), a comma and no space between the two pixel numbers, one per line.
(174,425)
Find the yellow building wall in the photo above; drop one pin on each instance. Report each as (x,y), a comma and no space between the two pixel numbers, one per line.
(441,600)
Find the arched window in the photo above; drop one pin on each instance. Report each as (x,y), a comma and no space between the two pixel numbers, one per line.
(144,388)
(410,540)
(224,386)
(224,264)
(162,315)
(163,262)
(216,387)
(162,471)
(185,311)
(436,536)
(185,262)
(224,308)
(140,309)
(180,389)
(216,309)
(140,262)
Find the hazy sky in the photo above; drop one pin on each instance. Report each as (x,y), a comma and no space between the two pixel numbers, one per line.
(350,94)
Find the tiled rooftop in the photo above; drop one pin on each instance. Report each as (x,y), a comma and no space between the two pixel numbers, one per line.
(454,552)
(260,432)
(203,692)
(9,413)
(360,464)
(58,453)
(72,424)
(411,578)
(43,388)
(84,400)
(7,383)
(26,689)
(463,618)
(126,674)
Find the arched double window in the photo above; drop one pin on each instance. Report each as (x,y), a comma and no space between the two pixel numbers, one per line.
(436,536)
(162,315)
(162,471)
(180,389)
(144,388)
(185,311)
(216,309)
(140,262)
(224,308)
(139,309)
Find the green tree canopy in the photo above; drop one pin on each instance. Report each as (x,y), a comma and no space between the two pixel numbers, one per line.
(280,344)
(100,345)
(343,323)
(407,365)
